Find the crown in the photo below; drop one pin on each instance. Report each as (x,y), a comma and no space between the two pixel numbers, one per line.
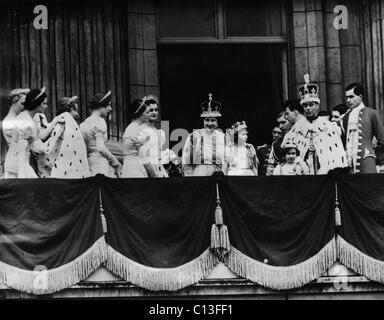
(237,126)
(210,108)
(290,145)
(309,92)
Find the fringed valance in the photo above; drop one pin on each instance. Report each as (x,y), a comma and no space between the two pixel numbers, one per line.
(167,234)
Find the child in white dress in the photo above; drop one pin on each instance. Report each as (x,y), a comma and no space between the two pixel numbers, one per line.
(293,164)
(241,158)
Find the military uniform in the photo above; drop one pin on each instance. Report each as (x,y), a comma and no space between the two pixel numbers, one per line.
(360,126)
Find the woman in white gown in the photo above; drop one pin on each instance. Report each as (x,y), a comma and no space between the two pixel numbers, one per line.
(16,99)
(25,138)
(143,143)
(241,156)
(94,130)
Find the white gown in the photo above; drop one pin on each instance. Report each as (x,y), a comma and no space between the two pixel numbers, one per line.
(241,160)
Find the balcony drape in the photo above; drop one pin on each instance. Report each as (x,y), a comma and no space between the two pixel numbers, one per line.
(360,241)
(167,234)
(281,229)
(51,233)
(159,230)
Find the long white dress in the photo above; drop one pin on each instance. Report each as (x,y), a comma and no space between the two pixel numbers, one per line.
(204,152)
(242,160)
(24,140)
(99,161)
(8,124)
(133,166)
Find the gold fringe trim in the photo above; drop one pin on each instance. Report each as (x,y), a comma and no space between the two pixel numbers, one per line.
(282,278)
(42,282)
(359,262)
(158,279)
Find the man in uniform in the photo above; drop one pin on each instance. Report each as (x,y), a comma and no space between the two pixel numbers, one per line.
(317,139)
(264,151)
(360,125)
(204,150)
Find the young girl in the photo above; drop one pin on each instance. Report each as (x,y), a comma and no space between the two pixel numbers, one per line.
(293,164)
(241,159)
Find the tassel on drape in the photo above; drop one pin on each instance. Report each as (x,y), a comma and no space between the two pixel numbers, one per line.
(161,279)
(220,244)
(337,209)
(337,217)
(282,278)
(102,216)
(219,215)
(41,281)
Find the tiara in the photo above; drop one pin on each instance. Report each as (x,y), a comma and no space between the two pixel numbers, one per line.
(237,126)
(74,98)
(106,96)
(42,91)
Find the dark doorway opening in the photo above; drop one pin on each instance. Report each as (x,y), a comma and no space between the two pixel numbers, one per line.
(246,78)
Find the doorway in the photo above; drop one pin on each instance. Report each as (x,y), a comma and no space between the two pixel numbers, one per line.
(246,78)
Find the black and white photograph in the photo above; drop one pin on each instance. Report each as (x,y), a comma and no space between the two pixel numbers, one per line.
(196,151)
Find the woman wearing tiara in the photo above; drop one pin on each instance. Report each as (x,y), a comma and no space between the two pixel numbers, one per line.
(68,159)
(44,133)
(94,130)
(16,100)
(143,154)
(25,138)
(241,156)
(133,167)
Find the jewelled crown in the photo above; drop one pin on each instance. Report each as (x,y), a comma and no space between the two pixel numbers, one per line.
(237,126)
(210,108)
(309,92)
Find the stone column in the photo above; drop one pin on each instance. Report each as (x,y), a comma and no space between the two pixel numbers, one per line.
(308,37)
(142,52)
